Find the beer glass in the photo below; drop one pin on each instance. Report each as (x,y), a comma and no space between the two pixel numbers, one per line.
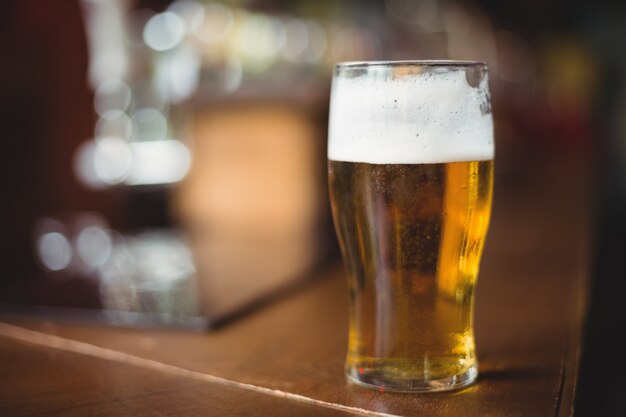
(410,161)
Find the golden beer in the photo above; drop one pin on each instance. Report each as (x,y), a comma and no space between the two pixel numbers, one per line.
(410,158)
(411,236)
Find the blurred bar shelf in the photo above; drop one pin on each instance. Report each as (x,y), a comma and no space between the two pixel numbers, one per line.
(287,357)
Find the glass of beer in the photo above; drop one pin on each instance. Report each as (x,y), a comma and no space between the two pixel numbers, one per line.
(410,161)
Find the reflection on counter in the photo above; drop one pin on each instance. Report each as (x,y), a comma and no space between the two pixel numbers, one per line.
(152,272)
(149,272)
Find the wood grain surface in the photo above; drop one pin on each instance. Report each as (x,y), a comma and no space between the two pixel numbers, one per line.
(529,307)
(47,382)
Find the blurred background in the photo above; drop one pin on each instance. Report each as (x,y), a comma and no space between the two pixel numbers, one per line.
(164,162)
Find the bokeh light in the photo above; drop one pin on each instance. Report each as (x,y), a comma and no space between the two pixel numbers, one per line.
(114,123)
(105,35)
(54,251)
(190,11)
(149,124)
(93,246)
(112,160)
(52,246)
(178,73)
(112,95)
(257,40)
(164,31)
(84,166)
(158,162)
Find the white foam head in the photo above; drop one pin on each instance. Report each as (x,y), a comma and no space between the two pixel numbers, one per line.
(435,116)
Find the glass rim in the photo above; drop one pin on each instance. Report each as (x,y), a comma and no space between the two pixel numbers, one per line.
(449,63)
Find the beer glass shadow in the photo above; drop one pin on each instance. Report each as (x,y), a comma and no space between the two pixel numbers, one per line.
(508,374)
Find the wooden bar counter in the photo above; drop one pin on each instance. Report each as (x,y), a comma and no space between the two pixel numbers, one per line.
(286,359)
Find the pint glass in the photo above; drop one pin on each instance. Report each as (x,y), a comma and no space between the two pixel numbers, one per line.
(410,160)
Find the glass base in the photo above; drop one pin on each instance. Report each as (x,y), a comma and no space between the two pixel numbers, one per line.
(376,380)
